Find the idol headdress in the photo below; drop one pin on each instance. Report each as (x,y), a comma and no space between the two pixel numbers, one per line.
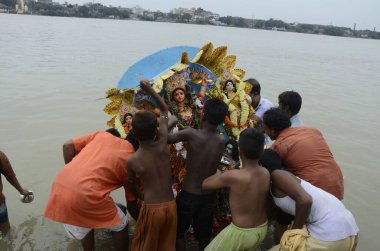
(176,81)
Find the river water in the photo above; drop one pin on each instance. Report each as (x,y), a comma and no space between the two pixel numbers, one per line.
(53,69)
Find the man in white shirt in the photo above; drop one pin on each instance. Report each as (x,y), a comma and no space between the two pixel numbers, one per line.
(259,103)
(290,102)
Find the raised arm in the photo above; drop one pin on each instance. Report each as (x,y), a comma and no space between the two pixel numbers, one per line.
(172,122)
(288,184)
(183,135)
(163,124)
(218,180)
(7,170)
(68,151)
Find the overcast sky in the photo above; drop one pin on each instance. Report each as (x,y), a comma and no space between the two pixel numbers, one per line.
(365,13)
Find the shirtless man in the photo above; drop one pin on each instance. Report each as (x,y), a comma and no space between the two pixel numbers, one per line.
(205,151)
(7,170)
(249,189)
(157,222)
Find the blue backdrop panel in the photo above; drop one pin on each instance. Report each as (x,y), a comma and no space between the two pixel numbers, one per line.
(154,64)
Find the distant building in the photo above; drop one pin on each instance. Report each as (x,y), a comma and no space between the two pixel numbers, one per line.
(21,7)
(278,29)
(4,8)
(214,15)
(149,15)
(184,10)
(137,10)
(217,22)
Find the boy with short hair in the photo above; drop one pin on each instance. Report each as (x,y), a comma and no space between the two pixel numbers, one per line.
(249,189)
(290,102)
(206,146)
(156,225)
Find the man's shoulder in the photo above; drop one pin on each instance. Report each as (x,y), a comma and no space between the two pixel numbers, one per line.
(192,131)
(234,175)
(132,159)
(299,130)
(215,139)
(266,102)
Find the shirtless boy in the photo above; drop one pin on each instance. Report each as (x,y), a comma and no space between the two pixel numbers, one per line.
(249,189)
(205,151)
(157,222)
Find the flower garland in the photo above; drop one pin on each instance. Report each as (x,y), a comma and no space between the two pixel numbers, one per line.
(119,127)
(231,124)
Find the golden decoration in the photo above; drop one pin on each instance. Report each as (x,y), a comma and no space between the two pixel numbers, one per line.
(175,82)
(206,53)
(113,107)
(197,57)
(229,62)
(239,73)
(185,58)
(111,122)
(119,127)
(112,91)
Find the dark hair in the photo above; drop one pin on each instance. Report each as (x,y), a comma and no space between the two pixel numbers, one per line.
(131,137)
(256,88)
(144,125)
(251,143)
(126,115)
(292,100)
(215,110)
(271,160)
(178,88)
(114,132)
(276,119)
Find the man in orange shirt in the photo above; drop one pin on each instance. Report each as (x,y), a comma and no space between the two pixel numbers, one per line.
(304,153)
(79,198)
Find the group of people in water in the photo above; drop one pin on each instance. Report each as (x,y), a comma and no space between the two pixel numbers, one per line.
(296,181)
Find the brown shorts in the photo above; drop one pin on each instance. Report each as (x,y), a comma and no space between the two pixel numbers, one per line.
(156,227)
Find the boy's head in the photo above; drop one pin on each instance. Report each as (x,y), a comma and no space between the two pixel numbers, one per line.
(290,101)
(251,143)
(145,125)
(271,160)
(214,111)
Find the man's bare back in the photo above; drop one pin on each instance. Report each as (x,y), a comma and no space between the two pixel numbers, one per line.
(249,186)
(203,157)
(205,151)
